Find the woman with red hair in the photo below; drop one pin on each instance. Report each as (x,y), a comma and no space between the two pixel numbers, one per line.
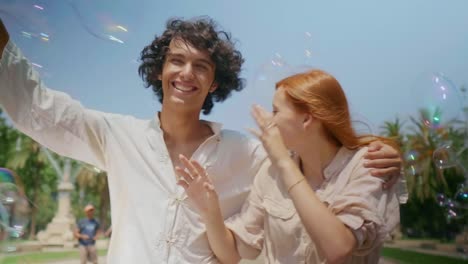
(315,201)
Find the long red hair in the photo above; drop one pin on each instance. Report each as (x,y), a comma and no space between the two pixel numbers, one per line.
(320,94)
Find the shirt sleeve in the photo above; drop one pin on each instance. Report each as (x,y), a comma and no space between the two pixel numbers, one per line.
(368,210)
(247,226)
(258,158)
(50,117)
(79,225)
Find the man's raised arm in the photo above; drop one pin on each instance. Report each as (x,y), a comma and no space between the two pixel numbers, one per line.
(50,117)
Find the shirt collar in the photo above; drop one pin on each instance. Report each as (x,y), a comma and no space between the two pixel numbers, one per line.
(338,163)
(155,125)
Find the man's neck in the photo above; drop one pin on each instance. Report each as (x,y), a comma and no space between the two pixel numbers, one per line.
(182,127)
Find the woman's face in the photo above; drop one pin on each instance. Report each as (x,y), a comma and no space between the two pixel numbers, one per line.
(289,120)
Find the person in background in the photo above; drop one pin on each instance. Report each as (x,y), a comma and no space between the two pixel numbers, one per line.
(86,232)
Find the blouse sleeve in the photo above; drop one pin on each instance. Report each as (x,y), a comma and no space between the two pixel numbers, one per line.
(365,207)
(247,226)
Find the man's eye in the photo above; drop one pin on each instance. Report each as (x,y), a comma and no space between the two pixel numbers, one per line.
(201,67)
(176,61)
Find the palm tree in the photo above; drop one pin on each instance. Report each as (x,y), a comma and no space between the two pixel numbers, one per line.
(393,130)
(424,140)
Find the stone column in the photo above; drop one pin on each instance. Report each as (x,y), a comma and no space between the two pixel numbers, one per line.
(59,232)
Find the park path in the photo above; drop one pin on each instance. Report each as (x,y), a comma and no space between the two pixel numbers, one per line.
(258,261)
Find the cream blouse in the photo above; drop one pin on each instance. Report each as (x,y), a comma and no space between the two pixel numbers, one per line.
(269,221)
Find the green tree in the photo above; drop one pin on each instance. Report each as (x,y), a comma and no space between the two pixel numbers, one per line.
(422,216)
(394,130)
(32,165)
(424,179)
(5,139)
(92,187)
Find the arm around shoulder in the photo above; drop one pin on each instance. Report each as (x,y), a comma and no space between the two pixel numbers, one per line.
(370,211)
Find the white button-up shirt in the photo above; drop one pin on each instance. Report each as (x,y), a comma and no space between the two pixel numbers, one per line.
(152,220)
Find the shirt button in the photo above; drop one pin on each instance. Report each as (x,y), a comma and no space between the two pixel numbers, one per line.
(171,240)
(179,200)
(176,200)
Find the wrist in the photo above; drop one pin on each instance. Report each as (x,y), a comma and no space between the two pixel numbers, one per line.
(212,216)
(280,158)
(289,173)
(284,164)
(291,186)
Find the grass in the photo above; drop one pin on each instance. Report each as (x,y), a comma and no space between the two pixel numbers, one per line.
(399,255)
(44,257)
(407,257)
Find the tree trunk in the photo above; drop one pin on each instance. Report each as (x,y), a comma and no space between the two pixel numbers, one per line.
(104,205)
(35,210)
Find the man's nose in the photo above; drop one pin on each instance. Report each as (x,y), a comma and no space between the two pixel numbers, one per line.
(187,72)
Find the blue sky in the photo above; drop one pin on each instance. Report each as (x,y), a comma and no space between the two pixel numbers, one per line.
(376,49)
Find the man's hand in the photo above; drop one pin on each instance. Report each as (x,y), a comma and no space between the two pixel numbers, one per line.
(384,161)
(4,37)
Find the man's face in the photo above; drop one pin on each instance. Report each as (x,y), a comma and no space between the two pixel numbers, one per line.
(187,76)
(90,213)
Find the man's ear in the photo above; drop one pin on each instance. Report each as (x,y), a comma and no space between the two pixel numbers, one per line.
(213,87)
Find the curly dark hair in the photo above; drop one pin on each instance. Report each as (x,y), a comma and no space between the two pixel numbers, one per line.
(201,33)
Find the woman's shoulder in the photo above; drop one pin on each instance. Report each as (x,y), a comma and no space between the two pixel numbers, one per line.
(347,171)
(358,170)
(359,176)
(346,161)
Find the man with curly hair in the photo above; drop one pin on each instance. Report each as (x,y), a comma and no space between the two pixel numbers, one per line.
(190,66)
